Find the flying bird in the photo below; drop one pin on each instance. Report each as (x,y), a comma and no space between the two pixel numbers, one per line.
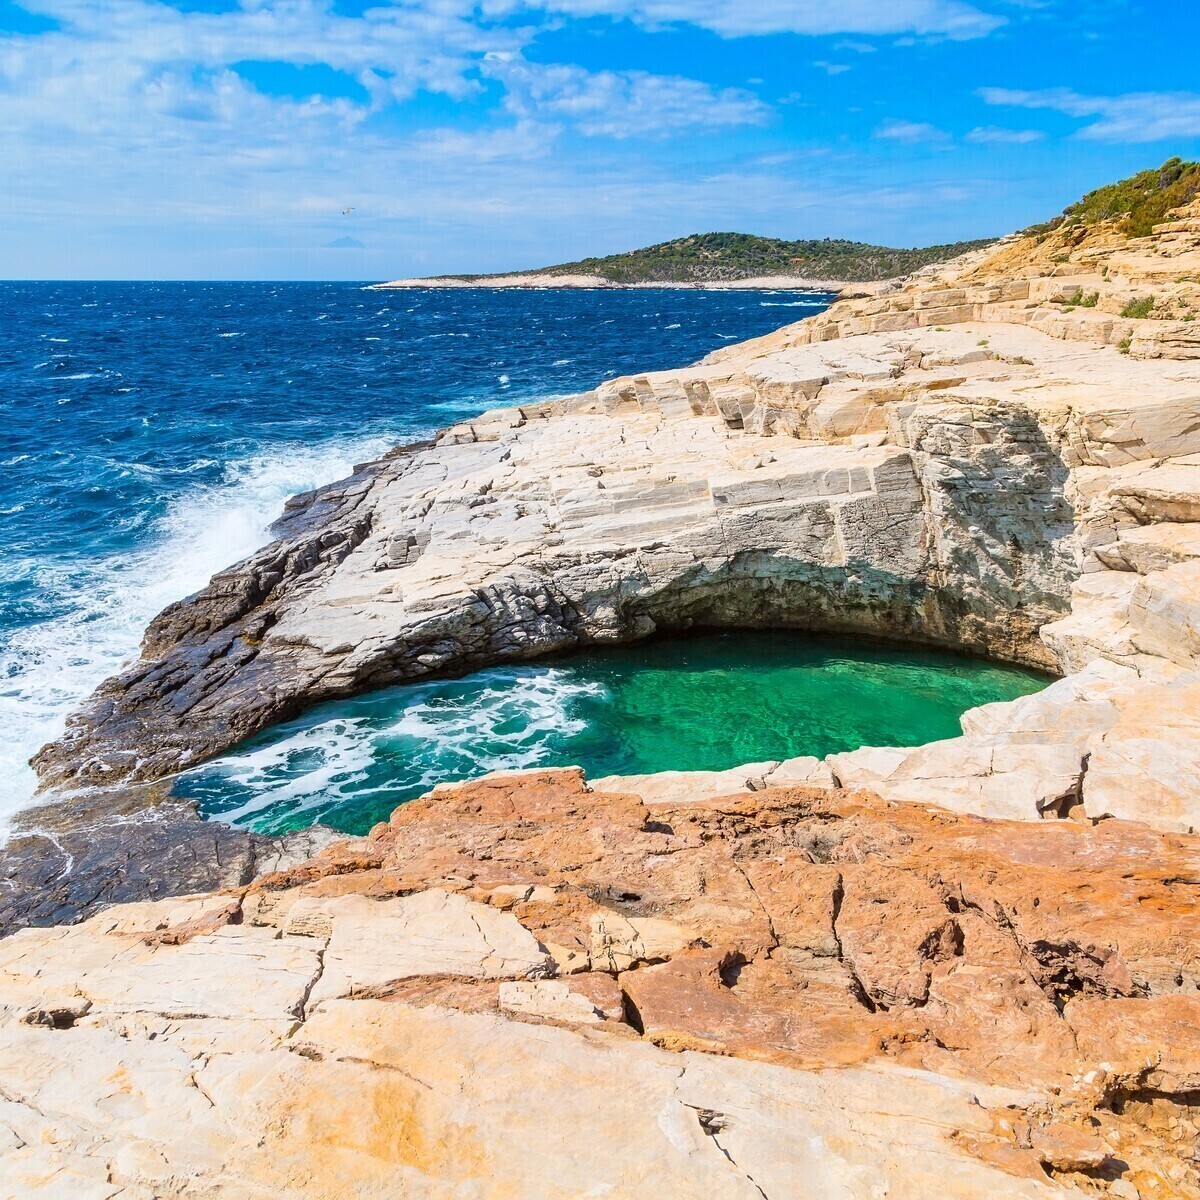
(347,211)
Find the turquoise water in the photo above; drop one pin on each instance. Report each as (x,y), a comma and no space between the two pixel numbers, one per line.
(704,703)
(152,431)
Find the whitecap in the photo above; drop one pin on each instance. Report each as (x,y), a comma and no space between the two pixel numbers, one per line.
(792,304)
(102,605)
(513,719)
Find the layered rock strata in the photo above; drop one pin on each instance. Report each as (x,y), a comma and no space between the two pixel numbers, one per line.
(884,973)
(544,529)
(523,987)
(987,458)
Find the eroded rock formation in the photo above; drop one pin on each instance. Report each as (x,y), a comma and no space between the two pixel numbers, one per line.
(522,987)
(987,458)
(887,973)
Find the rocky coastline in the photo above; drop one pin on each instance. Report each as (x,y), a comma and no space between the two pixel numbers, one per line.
(547,279)
(969,967)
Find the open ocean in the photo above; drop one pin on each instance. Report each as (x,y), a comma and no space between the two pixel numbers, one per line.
(152,431)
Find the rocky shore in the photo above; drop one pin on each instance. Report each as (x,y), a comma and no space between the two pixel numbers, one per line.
(546,279)
(990,458)
(969,968)
(526,988)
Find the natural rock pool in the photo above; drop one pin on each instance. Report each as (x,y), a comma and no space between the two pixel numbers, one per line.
(701,703)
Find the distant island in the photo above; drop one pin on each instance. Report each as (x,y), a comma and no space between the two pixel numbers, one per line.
(724,260)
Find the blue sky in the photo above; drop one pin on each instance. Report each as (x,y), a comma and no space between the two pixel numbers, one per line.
(217,139)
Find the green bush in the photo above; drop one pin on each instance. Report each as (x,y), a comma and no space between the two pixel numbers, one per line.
(1141,201)
(1139,309)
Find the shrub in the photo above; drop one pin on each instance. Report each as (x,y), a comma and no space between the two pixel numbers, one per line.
(1140,202)
(1139,309)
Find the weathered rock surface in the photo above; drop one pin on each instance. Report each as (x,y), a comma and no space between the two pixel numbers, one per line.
(989,457)
(65,860)
(888,973)
(524,988)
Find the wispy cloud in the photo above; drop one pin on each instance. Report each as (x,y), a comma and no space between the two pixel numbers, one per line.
(832,68)
(993,135)
(740,18)
(619,104)
(1133,117)
(912,133)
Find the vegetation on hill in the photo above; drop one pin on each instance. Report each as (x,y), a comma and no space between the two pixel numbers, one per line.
(1140,202)
(724,257)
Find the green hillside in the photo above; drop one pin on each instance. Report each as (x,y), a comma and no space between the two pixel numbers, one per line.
(1142,200)
(723,257)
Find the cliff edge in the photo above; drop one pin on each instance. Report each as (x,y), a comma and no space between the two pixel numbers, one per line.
(969,968)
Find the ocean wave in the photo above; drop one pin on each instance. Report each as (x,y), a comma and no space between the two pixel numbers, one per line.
(401,744)
(99,607)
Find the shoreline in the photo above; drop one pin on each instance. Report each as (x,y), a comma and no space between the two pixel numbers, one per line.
(545,280)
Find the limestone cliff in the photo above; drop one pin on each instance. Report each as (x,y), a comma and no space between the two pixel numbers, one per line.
(966,969)
(989,458)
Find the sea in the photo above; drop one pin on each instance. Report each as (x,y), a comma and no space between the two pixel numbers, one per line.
(151,432)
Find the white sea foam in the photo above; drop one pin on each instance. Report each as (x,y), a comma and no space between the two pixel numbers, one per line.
(514,720)
(104,604)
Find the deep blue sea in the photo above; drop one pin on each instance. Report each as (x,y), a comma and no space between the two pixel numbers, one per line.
(151,432)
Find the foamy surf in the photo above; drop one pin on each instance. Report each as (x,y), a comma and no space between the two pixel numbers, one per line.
(103,605)
(396,745)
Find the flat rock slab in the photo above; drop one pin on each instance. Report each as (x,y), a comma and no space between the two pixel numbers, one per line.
(526,987)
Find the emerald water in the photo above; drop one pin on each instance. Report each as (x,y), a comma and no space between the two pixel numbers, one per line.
(702,703)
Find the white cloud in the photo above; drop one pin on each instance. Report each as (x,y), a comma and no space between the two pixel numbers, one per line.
(832,68)
(993,135)
(739,18)
(619,104)
(912,133)
(131,143)
(1134,117)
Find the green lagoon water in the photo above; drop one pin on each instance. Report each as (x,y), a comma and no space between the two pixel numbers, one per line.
(703,703)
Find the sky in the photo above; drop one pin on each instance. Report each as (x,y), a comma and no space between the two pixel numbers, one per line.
(344,139)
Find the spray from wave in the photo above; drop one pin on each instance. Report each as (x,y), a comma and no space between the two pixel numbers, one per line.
(378,750)
(100,606)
